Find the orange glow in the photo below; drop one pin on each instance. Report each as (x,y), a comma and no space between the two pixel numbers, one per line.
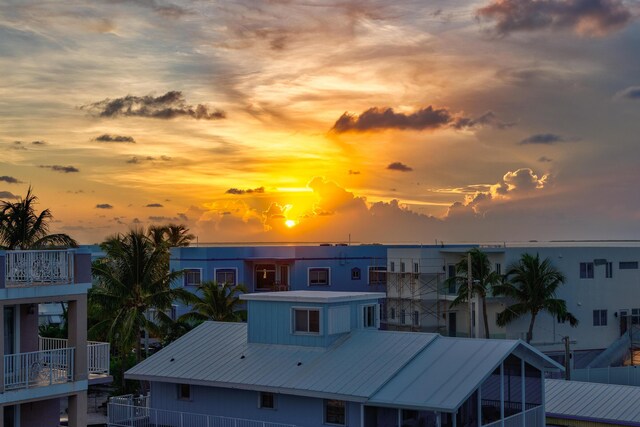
(290,223)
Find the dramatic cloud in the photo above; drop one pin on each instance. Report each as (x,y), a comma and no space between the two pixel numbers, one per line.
(586,17)
(9,180)
(543,138)
(114,138)
(63,169)
(247,191)
(154,205)
(168,106)
(400,167)
(39,142)
(104,206)
(7,195)
(632,92)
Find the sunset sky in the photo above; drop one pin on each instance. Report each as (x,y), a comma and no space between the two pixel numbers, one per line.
(304,120)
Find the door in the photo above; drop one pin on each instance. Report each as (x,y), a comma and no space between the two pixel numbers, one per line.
(452,324)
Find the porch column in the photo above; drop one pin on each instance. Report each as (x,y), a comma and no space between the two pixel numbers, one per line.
(399,417)
(78,409)
(522,378)
(502,393)
(362,415)
(438,420)
(480,406)
(543,398)
(2,350)
(77,318)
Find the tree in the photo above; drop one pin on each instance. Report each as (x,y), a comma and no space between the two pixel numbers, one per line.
(22,228)
(532,284)
(215,302)
(172,235)
(133,279)
(484,280)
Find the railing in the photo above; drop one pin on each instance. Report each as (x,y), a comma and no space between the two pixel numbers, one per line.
(623,375)
(97,353)
(38,368)
(129,411)
(530,418)
(26,268)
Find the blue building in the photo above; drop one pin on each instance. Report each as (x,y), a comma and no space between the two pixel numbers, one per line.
(317,358)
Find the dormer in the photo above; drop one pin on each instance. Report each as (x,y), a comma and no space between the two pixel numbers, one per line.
(309,318)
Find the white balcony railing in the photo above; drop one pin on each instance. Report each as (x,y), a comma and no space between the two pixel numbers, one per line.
(38,368)
(97,353)
(127,411)
(27,268)
(533,417)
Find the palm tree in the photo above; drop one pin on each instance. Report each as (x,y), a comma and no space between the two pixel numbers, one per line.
(484,280)
(133,279)
(172,235)
(532,284)
(215,302)
(22,228)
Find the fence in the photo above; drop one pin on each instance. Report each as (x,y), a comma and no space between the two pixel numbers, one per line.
(38,368)
(24,268)
(623,375)
(97,353)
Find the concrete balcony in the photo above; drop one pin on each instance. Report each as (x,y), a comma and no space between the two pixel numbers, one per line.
(38,368)
(127,411)
(97,354)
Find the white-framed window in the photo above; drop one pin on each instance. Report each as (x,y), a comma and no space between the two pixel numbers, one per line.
(608,272)
(192,276)
(628,265)
(184,391)
(416,267)
(586,270)
(370,316)
(402,267)
(498,268)
(319,276)
(266,400)
(377,275)
(226,275)
(335,412)
(599,317)
(403,316)
(416,318)
(306,320)
(392,266)
(392,313)
(355,273)
(635,316)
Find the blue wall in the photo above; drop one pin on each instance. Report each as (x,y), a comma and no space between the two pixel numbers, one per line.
(301,411)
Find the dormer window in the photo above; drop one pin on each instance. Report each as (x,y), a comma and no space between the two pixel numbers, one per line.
(306,321)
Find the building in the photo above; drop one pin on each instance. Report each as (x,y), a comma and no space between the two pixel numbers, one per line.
(36,372)
(316,358)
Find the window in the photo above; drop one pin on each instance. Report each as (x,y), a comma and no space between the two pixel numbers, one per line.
(265,275)
(599,317)
(267,400)
(628,265)
(393,313)
(586,270)
(498,268)
(416,318)
(369,316)
(451,271)
(184,391)
(192,277)
(377,276)
(608,270)
(306,320)
(635,316)
(319,276)
(355,273)
(335,412)
(392,266)
(402,270)
(226,275)
(403,316)
(416,267)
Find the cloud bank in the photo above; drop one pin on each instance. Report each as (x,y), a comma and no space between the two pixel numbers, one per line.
(114,138)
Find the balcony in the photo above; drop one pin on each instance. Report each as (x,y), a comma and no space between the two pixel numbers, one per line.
(127,411)
(44,267)
(38,368)
(97,354)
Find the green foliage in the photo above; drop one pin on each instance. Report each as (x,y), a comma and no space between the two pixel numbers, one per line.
(216,302)
(22,228)
(532,285)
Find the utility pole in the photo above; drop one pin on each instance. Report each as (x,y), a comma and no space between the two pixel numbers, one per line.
(567,359)
(469,287)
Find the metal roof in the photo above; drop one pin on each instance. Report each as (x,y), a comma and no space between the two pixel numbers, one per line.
(313,296)
(593,402)
(354,367)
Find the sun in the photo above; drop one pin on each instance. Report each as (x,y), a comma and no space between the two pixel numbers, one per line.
(290,223)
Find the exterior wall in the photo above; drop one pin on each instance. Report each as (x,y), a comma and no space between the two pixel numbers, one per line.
(28,328)
(42,413)
(301,411)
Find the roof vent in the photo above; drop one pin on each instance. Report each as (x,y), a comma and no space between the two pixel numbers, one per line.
(299,363)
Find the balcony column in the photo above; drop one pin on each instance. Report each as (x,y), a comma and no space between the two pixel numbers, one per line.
(2,356)
(77,318)
(78,409)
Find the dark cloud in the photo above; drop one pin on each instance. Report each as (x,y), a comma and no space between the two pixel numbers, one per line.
(168,106)
(104,206)
(545,159)
(154,205)
(428,118)
(591,17)
(63,169)
(352,172)
(17,145)
(163,219)
(543,138)
(400,167)
(137,160)
(114,138)
(39,142)
(258,190)
(8,195)
(632,92)
(9,180)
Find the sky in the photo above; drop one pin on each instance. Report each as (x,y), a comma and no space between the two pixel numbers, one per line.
(409,121)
